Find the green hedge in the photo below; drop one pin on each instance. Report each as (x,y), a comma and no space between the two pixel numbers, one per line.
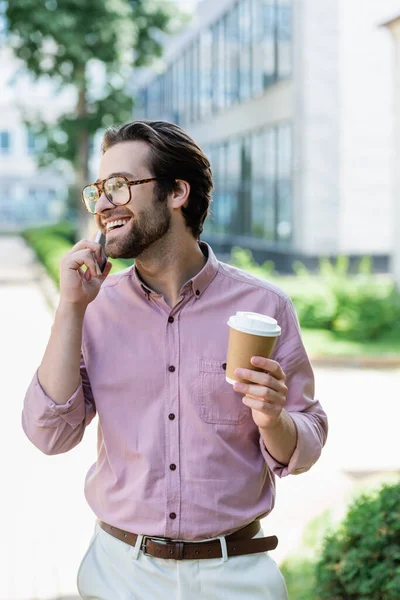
(360,307)
(364,307)
(51,243)
(361,560)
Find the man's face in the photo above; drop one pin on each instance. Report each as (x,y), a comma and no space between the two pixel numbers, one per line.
(147,218)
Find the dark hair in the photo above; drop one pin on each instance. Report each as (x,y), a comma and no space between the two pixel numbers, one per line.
(173,155)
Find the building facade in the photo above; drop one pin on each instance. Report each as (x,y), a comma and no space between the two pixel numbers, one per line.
(277,95)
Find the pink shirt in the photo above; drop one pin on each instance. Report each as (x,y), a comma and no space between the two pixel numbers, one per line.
(179,454)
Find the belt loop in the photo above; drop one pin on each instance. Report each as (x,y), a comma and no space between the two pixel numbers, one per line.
(138,545)
(224,549)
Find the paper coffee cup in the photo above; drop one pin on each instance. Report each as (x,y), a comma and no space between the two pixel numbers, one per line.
(251,334)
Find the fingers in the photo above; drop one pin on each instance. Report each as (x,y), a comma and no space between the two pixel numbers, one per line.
(273,367)
(259,392)
(261,405)
(76,260)
(261,378)
(95,247)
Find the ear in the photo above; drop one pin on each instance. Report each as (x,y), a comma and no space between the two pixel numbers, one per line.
(180,194)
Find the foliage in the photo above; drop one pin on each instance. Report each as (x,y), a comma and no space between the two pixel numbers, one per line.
(299,574)
(361,307)
(361,560)
(51,243)
(243,259)
(49,247)
(299,571)
(91,47)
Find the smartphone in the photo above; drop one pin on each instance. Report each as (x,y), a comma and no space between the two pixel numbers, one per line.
(101,239)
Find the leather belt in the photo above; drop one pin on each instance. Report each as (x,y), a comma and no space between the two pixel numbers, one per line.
(238,543)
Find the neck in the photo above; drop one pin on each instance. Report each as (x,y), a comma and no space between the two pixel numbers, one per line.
(168,267)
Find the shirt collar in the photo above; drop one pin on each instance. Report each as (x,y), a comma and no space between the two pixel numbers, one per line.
(198,284)
(202,280)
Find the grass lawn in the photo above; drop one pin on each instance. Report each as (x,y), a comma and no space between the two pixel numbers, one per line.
(320,343)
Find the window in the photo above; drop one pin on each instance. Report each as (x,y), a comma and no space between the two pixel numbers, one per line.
(284,38)
(181,96)
(257,185)
(219,75)
(196,82)
(245,208)
(270,183)
(232,57)
(169,115)
(284,184)
(188,91)
(206,72)
(233,157)
(268,53)
(245,48)
(4,142)
(175,93)
(257,47)
(237,57)
(253,185)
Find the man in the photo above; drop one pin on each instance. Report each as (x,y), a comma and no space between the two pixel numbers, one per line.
(186,462)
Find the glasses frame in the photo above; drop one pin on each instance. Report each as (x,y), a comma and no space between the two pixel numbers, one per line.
(100,189)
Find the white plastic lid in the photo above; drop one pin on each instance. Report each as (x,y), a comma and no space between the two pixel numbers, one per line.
(255,323)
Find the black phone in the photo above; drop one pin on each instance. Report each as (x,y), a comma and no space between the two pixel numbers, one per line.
(101,239)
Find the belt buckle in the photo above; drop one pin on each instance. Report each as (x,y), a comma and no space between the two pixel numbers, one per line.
(158,540)
(178,546)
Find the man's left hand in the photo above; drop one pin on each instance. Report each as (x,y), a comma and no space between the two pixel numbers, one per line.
(266,395)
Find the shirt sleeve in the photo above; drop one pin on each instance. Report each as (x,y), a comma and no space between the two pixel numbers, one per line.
(57,428)
(307,413)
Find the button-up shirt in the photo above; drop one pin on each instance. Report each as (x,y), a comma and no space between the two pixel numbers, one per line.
(179,454)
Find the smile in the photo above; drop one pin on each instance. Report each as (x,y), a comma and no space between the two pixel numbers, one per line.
(117,224)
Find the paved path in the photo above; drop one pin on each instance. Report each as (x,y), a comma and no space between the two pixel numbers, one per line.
(46,523)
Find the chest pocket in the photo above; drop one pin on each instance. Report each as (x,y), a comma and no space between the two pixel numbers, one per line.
(217,401)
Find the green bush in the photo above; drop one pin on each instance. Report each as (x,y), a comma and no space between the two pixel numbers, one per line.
(64,229)
(52,242)
(299,574)
(361,560)
(49,248)
(360,307)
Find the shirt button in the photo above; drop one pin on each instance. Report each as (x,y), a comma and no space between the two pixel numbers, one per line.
(197,292)
(172,515)
(171,319)
(171,369)
(172,467)
(171,416)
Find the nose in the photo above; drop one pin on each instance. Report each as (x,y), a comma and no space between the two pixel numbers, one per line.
(103,204)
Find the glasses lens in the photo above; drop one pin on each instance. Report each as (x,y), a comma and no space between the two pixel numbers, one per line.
(117,190)
(90,196)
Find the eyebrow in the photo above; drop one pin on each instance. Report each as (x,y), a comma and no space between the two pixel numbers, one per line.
(120,173)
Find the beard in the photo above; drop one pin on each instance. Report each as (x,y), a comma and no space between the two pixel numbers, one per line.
(148,227)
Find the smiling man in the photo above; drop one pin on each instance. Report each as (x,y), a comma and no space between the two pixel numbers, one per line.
(186,462)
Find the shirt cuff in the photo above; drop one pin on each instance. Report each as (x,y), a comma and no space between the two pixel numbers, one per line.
(46,412)
(306,453)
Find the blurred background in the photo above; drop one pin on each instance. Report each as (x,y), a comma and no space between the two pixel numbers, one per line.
(297,105)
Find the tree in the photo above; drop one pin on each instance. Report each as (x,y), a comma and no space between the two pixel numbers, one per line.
(74,42)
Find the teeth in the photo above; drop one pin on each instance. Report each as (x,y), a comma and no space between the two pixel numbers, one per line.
(115,223)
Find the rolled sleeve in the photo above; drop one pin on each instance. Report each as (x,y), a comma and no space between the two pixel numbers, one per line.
(57,428)
(42,409)
(306,412)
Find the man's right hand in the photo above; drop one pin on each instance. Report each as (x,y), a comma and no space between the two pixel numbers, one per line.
(77,287)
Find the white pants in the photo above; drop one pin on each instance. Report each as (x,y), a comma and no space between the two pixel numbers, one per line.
(113,570)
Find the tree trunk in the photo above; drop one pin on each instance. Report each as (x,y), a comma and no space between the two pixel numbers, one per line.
(85,221)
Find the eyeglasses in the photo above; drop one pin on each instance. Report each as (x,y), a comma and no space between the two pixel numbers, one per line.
(116,189)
